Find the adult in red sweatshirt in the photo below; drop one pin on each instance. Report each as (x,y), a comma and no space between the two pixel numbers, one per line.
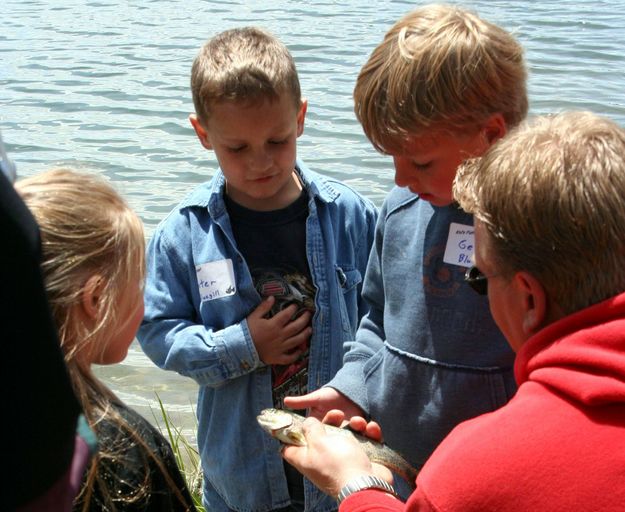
(549,207)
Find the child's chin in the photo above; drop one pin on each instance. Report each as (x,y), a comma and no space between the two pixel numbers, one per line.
(435,201)
(429,198)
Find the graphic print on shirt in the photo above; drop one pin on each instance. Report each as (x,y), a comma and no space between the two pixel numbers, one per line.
(438,276)
(288,287)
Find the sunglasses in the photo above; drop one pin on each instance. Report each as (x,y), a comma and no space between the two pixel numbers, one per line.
(476,280)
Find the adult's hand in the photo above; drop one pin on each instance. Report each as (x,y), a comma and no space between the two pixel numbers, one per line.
(330,461)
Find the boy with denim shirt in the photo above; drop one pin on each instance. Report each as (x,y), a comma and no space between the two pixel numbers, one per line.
(253,281)
(441,87)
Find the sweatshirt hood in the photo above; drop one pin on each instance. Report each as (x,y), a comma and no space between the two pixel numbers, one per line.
(582,356)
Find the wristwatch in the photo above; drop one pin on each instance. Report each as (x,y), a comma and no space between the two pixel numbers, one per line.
(362,482)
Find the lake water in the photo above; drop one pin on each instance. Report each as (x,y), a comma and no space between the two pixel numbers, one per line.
(104,84)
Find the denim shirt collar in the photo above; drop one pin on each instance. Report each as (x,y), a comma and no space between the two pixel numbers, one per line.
(318,188)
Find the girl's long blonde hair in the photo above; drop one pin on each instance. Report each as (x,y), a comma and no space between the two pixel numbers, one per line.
(87,229)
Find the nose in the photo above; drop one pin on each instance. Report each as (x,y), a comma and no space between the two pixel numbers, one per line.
(404,172)
(259,161)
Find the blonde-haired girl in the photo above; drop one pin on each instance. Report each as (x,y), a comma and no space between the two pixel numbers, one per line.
(93,265)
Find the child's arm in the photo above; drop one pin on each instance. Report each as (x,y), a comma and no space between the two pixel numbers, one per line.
(365,253)
(173,334)
(370,337)
(347,390)
(351,396)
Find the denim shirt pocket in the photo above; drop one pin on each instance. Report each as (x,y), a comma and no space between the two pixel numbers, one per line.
(348,281)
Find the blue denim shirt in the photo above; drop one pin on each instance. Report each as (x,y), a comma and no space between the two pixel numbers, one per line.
(210,342)
(428,354)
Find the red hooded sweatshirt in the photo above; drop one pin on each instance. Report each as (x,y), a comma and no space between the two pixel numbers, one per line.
(558,445)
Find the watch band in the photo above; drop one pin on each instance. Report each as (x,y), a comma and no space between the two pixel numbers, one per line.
(362,482)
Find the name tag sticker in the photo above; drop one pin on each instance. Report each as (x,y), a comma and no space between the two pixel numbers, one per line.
(460,245)
(215,279)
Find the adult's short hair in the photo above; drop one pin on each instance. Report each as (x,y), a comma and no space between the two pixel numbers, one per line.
(552,197)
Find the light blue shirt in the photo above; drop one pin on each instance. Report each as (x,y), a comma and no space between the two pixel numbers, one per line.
(209,340)
(428,354)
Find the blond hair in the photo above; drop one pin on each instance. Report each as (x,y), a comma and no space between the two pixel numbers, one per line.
(87,230)
(244,64)
(552,197)
(439,67)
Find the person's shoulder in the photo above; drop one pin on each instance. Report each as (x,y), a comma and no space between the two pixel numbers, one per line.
(334,190)
(398,198)
(197,199)
(135,421)
(200,196)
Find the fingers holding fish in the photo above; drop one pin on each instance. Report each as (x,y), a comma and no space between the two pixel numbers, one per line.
(335,417)
(358,424)
(370,429)
(288,427)
(329,461)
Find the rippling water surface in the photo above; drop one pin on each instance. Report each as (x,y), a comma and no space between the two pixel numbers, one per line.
(104,85)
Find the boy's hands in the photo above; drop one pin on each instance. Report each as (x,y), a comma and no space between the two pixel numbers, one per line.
(370,429)
(321,401)
(279,340)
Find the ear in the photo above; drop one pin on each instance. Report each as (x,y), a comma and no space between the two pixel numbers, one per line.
(533,303)
(301,115)
(200,131)
(494,128)
(91,294)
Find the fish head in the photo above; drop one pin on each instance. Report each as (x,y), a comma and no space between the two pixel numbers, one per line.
(281,425)
(274,419)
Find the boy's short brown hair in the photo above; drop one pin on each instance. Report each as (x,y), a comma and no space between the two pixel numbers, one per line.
(439,66)
(244,64)
(550,195)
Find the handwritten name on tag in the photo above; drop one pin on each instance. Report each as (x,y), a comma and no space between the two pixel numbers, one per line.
(215,279)
(460,245)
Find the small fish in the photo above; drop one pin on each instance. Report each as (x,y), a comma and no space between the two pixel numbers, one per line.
(286,426)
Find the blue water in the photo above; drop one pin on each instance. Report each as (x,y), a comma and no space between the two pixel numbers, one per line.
(104,85)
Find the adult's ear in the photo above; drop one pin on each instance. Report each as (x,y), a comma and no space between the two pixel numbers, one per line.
(91,296)
(494,128)
(201,133)
(301,116)
(533,303)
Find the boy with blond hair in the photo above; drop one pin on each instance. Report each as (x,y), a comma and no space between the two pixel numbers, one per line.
(549,215)
(254,280)
(441,88)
